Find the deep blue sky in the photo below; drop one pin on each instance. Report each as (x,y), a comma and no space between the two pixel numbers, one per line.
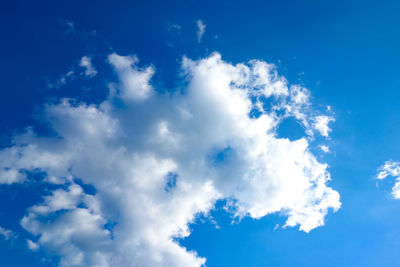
(345,52)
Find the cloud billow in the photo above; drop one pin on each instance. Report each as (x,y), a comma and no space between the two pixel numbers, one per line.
(129,146)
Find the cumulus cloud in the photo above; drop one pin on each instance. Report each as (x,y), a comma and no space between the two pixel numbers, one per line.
(86,62)
(391,168)
(201,29)
(68,221)
(158,161)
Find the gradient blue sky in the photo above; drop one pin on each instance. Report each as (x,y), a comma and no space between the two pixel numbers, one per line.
(345,52)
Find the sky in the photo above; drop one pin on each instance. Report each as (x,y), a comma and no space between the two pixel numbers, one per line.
(199,133)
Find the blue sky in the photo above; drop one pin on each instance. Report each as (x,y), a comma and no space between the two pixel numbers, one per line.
(344,52)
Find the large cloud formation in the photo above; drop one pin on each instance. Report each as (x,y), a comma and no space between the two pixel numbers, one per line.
(158,160)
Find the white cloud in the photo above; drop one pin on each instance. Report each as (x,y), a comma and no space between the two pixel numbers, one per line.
(391,168)
(69,76)
(32,245)
(325,148)
(174,27)
(69,26)
(11,175)
(89,71)
(134,82)
(201,29)
(130,152)
(321,124)
(6,234)
(86,62)
(77,232)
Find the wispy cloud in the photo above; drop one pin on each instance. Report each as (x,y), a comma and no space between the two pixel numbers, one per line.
(6,234)
(69,76)
(74,73)
(391,168)
(201,29)
(174,27)
(68,25)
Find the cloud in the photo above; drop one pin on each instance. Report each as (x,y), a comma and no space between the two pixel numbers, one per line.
(158,161)
(6,234)
(89,71)
(32,245)
(69,76)
(174,27)
(71,28)
(325,148)
(321,124)
(86,62)
(69,222)
(201,29)
(67,25)
(134,82)
(391,168)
